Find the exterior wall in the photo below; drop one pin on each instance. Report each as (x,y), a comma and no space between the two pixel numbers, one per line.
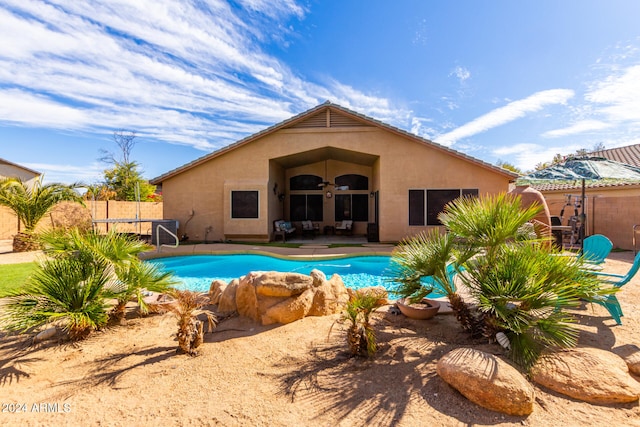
(98,210)
(15,172)
(402,164)
(610,211)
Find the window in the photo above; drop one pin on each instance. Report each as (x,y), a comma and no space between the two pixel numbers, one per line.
(244,204)
(416,207)
(305,182)
(426,205)
(305,207)
(352,206)
(353,181)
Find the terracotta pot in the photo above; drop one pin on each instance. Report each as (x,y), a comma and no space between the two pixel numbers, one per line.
(425,309)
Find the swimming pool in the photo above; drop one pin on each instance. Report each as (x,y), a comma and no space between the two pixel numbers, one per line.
(197,271)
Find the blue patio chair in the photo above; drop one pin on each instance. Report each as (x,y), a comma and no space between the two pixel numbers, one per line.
(610,302)
(596,249)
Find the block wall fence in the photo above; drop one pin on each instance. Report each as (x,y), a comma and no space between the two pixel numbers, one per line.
(612,216)
(97,210)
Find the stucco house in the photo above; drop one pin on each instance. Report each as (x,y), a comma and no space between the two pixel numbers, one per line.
(325,165)
(13,170)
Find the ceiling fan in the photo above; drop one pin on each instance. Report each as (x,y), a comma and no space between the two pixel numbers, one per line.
(325,182)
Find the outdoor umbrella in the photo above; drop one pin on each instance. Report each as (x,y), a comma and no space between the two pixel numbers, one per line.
(584,169)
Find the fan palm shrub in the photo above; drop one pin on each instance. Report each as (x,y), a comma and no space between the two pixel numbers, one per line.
(68,293)
(186,307)
(522,288)
(30,202)
(361,337)
(131,277)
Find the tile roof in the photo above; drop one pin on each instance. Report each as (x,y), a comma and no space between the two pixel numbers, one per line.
(551,186)
(306,114)
(629,154)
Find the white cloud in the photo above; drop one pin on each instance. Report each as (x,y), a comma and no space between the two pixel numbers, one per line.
(23,108)
(461,73)
(579,127)
(89,173)
(618,96)
(527,155)
(510,112)
(184,72)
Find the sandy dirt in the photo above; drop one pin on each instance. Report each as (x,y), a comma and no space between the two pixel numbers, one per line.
(283,375)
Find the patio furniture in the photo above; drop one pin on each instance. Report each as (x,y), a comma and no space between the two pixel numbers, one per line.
(596,249)
(309,228)
(282,228)
(610,302)
(345,227)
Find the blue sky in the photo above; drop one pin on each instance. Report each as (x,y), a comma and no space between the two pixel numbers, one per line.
(516,81)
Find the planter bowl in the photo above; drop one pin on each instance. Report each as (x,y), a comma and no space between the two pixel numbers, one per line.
(425,309)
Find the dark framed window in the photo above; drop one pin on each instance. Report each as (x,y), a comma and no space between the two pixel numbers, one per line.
(416,207)
(426,205)
(303,207)
(352,206)
(436,201)
(244,204)
(353,181)
(305,182)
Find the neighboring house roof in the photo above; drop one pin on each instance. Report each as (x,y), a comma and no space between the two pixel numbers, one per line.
(26,169)
(577,185)
(629,154)
(312,116)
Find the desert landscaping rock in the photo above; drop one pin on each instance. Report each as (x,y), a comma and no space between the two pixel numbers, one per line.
(630,353)
(272,297)
(487,381)
(215,291)
(588,374)
(227,302)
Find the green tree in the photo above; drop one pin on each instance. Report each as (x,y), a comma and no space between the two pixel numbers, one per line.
(509,166)
(31,202)
(123,177)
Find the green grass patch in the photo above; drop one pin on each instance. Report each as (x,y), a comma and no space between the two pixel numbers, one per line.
(14,276)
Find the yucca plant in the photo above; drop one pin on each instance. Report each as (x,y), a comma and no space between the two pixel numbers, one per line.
(187,306)
(67,293)
(31,202)
(361,337)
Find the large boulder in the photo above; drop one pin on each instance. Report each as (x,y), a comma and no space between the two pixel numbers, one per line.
(215,290)
(588,374)
(487,381)
(631,355)
(272,297)
(274,284)
(330,296)
(289,310)
(227,301)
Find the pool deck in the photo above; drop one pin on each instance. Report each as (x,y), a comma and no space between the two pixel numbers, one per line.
(310,249)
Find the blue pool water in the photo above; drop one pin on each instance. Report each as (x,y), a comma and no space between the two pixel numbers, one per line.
(197,271)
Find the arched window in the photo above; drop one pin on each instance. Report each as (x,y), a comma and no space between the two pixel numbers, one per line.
(353,181)
(305,182)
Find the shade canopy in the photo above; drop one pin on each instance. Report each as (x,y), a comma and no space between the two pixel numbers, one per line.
(585,168)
